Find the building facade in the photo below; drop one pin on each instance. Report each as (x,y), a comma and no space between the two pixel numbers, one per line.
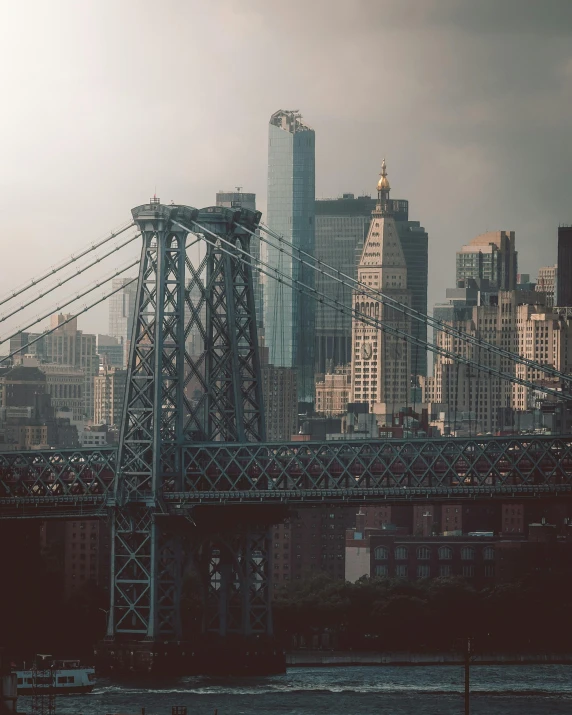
(122,312)
(547,283)
(333,392)
(109,393)
(111,351)
(280,394)
(342,226)
(65,385)
(490,256)
(517,321)
(564,288)
(381,363)
(289,317)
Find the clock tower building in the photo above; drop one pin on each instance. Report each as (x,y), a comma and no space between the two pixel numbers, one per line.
(381,363)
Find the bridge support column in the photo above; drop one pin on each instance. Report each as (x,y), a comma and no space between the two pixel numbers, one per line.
(238,632)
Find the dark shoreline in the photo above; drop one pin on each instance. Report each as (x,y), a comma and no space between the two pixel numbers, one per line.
(326,659)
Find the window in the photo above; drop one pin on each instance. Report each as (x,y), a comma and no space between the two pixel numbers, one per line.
(445,570)
(489,570)
(468,553)
(423,571)
(468,571)
(381,570)
(401,571)
(401,553)
(423,553)
(489,553)
(445,553)
(381,553)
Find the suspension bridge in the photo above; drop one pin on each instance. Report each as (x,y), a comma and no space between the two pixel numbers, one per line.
(194,476)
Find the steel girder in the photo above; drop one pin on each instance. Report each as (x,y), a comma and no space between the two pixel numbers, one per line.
(160,415)
(50,481)
(146,561)
(235,571)
(80,481)
(333,468)
(226,372)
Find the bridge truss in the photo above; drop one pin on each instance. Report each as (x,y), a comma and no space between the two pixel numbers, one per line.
(193,442)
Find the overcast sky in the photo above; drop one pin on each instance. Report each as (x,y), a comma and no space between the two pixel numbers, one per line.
(104,101)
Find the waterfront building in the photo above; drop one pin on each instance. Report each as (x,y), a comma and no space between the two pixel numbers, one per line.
(381,363)
(491,256)
(289,316)
(311,542)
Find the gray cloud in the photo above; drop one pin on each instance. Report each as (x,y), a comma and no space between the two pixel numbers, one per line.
(469,101)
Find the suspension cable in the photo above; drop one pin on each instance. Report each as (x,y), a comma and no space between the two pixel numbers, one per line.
(68,301)
(317,295)
(65,264)
(85,309)
(71,276)
(411,312)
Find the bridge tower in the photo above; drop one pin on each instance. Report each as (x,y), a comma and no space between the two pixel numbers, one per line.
(178,395)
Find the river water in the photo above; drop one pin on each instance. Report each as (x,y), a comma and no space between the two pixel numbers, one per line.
(361,690)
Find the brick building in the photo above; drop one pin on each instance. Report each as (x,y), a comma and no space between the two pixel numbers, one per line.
(310,542)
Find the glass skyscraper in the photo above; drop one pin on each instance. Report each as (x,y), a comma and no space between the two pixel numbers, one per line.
(289,317)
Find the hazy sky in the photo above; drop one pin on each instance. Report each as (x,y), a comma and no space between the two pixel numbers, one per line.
(470,101)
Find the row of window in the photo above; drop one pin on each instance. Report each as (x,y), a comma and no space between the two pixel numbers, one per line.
(445,553)
(424,571)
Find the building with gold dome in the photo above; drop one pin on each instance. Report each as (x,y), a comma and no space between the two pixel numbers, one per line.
(381,363)
(342,225)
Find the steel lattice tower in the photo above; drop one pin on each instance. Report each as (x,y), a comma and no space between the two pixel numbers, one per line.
(162,416)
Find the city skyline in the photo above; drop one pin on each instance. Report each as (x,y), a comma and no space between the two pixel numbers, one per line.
(482,127)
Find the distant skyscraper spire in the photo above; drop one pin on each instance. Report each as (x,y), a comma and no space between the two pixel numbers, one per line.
(383,188)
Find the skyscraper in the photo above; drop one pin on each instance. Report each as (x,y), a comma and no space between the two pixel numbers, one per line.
(289,317)
(381,363)
(564,286)
(490,256)
(122,312)
(341,228)
(238,199)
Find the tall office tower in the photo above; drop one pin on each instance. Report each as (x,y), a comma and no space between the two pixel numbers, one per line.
(564,292)
(381,363)
(547,282)
(415,246)
(289,316)
(121,312)
(341,228)
(491,256)
(238,199)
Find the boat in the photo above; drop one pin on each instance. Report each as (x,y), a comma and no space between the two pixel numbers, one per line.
(59,677)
